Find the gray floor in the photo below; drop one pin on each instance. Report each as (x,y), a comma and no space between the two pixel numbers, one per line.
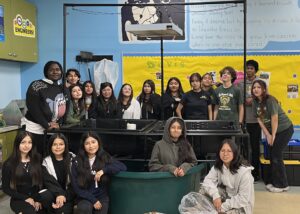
(265,202)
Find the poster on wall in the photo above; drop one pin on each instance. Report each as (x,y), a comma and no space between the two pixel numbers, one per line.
(292,91)
(265,76)
(148,67)
(2,36)
(150,15)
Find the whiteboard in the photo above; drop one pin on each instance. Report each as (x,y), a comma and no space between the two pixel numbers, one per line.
(272,25)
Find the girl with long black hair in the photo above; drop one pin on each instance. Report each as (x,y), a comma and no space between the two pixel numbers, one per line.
(56,175)
(173,153)
(90,98)
(22,176)
(150,101)
(107,102)
(90,175)
(128,106)
(76,110)
(172,97)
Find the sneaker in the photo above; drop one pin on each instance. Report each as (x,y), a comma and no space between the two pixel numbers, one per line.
(269,186)
(278,190)
(286,188)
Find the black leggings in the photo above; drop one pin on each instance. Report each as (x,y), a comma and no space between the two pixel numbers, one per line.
(277,175)
(254,131)
(21,206)
(48,198)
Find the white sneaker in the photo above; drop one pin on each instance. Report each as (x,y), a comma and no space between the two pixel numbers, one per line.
(286,188)
(269,186)
(278,190)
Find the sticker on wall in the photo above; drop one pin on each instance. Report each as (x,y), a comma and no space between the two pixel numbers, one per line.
(23,27)
(2,36)
(292,91)
(265,76)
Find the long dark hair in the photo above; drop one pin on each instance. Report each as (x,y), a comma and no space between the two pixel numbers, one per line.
(66,154)
(121,96)
(185,148)
(80,101)
(103,86)
(142,96)
(14,162)
(85,178)
(180,90)
(237,160)
(93,95)
(264,97)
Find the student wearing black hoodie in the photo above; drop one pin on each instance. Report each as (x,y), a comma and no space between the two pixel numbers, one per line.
(46,103)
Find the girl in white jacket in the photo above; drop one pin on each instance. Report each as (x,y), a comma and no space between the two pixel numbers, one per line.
(228,187)
(128,107)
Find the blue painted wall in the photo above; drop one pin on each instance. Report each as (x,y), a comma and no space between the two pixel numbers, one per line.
(97,30)
(10,82)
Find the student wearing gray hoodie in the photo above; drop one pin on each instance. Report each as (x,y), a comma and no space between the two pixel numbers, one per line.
(228,187)
(233,174)
(173,153)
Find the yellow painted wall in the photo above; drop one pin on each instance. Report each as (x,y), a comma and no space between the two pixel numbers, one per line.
(284,70)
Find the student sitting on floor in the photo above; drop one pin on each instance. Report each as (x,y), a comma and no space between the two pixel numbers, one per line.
(228,187)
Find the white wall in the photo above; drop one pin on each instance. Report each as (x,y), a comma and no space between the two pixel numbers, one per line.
(10,82)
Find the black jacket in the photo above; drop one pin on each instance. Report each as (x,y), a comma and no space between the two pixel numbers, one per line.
(152,108)
(46,102)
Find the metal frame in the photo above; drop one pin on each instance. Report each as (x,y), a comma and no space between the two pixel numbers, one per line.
(244,2)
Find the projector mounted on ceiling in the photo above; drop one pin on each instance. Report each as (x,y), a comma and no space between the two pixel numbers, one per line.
(154,30)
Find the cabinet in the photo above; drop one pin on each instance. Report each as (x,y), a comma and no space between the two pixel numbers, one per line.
(20,31)
(7,137)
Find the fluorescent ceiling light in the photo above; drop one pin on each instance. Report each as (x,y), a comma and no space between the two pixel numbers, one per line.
(154,30)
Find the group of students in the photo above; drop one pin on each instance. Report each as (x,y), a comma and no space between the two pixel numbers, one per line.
(47,105)
(63,179)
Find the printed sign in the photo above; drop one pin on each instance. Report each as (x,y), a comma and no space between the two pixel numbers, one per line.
(292,91)
(23,27)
